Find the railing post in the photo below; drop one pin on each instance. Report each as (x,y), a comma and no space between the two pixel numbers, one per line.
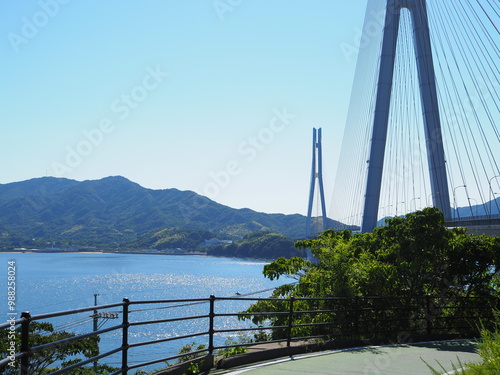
(429,307)
(290,322)
(125,324)
(356,316)
(25,343)
(211,325)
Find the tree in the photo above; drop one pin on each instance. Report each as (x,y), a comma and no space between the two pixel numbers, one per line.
(415,256)
(57,357)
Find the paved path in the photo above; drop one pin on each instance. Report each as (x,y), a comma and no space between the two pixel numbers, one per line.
(383,360)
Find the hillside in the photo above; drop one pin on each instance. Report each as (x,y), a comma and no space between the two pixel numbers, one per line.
(114,211)
(263,245)
(477,210)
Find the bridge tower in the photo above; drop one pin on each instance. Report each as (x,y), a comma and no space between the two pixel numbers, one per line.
(428,94)
(316,174)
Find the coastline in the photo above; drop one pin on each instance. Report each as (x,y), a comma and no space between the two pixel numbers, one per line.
(33,251)
(36,251)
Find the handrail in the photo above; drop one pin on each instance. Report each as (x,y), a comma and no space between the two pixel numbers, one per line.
(168,339)
(348,317)
(85,362)
(74,338)
(167,358)
(169,320)
(75,311)
(146,302)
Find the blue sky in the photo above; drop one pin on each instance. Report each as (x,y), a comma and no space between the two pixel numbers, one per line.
(219,97)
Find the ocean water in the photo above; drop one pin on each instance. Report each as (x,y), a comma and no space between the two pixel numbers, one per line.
(50,282)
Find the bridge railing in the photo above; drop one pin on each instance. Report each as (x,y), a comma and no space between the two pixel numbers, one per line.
(481,220)
(298,319)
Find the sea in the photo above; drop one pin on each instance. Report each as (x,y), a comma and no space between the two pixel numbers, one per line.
(52,282)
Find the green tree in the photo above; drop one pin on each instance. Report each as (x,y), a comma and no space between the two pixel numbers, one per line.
(56,357)
(415,256)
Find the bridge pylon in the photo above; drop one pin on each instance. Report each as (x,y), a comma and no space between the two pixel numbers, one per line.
(430,110)
(316,174)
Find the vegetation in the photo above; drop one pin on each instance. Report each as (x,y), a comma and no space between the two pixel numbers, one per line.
(414,256)
(115,213)
(195,359)
(55,358)
(187,350)
(262,245)
(173,238)
(489,350)
(240,341)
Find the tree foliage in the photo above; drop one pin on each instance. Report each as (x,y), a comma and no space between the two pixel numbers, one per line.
(56,357)
(415,256)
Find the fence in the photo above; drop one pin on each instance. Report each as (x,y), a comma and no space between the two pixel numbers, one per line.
(282,320)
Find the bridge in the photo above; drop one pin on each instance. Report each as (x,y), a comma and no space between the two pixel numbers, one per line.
(423,123)
(485,224)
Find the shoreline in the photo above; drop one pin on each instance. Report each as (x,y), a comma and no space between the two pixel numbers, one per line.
(28,251)
(33,251)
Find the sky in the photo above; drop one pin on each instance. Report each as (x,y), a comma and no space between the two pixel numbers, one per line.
(213,96)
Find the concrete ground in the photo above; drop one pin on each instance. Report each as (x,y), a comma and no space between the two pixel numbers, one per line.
(383,360)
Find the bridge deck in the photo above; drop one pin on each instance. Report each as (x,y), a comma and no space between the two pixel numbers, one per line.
(474,221)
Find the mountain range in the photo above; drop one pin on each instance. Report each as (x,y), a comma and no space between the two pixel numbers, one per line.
(114,211)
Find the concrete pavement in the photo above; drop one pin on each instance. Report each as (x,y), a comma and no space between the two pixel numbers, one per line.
(379,360)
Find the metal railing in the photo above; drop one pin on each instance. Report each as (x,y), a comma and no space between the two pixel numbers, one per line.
(291,319)
(477,220)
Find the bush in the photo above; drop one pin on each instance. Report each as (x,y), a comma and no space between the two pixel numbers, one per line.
(228,352)
(489,350)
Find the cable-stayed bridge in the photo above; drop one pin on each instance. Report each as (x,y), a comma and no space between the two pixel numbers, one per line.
(423,124)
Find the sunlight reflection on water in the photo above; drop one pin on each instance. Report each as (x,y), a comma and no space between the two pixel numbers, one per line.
(59,282)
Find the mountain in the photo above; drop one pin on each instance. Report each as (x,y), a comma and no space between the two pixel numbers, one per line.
(115,211)
(492,207)
(481,211)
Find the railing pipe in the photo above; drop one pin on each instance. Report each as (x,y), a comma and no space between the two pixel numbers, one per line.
(75,311)
(138,365)
(85,362)
(354,318)
(73,338)
(168,320)
(249,329)
(161,301)
(158,341)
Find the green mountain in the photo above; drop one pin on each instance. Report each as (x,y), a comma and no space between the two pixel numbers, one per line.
(114,212)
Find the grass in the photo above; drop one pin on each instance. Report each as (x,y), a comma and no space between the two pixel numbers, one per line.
(489,350)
